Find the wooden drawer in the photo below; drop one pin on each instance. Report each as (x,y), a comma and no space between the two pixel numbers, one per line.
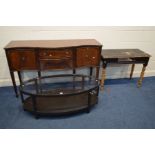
(57,54)
(88,56)
(55,63)
(22,59)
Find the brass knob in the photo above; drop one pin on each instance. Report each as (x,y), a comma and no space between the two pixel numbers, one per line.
(23,58)
(93,57)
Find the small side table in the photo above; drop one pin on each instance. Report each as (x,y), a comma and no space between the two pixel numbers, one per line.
(124,56)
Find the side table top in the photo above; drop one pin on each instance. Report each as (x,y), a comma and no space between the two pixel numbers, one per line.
(123,53)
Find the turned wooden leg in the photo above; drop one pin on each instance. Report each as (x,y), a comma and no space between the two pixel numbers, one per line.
(132,69)
(97,72)
(141,76)
(20,77)
(103,77)
(74,71)
(91,71)
(14,83)
(39,74)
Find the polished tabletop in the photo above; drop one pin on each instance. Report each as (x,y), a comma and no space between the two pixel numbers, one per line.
(51,43)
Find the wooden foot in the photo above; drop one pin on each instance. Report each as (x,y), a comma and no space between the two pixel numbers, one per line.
(141,76)
(132,69)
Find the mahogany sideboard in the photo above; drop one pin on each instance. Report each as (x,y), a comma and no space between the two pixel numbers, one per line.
(41,55)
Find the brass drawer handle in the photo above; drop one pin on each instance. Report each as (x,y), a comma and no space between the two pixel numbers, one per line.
(47,54)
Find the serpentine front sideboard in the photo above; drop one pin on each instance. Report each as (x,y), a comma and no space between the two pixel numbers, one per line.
(41,55)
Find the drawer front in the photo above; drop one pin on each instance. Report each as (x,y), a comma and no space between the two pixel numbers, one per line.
(88,56)
(55,54)
(46,64)
(22,59)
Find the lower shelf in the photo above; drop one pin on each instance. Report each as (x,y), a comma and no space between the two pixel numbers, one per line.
(60,105)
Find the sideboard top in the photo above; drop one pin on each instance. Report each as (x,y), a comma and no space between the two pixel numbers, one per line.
(51,43)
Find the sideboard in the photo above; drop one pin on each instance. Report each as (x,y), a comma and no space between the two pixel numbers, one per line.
(41,55)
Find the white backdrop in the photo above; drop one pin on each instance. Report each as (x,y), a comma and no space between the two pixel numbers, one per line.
(111,37)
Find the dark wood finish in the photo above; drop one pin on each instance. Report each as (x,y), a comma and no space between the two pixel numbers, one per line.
(20,77)
(51,54)
(132,70)
(47,64)
(123,53)
(91,71)
(97,72)
(60,105)
(59,99)
(52,43)
(124,56)
(74,71)
(88,56)
(14,82)
(55,54)
(22,59)
(39,74)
